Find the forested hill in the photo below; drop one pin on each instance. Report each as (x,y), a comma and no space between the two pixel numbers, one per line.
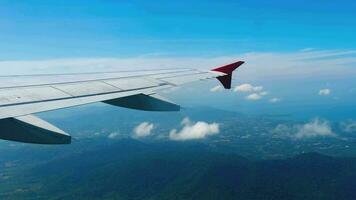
(130,169)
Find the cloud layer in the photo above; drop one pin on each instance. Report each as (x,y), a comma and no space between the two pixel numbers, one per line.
(259,65)
(193,131)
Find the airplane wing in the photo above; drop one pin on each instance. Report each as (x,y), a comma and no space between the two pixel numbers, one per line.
(22,96)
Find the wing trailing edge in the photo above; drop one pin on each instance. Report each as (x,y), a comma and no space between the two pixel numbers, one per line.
(225,80)
(152,102)
(31,129)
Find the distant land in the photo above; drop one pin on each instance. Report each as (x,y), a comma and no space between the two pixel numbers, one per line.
(130,169)
(251,157)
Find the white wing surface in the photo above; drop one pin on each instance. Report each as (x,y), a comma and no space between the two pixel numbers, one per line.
(21,96)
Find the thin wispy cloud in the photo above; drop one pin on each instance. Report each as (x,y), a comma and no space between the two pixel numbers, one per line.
(275,100)
(113,135)
(307,49)
(259,65)
(324,92)
(264,93)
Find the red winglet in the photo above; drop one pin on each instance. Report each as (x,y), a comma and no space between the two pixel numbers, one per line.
(227,69)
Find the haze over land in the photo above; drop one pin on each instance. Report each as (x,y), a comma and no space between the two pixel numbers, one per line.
(286,130)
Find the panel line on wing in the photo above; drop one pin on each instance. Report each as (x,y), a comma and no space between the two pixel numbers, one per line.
(64,98)
(111,85)
(87,80)
(61,90)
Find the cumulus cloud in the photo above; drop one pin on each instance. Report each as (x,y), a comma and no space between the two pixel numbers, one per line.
(253,97)
(193,131)
(314,128)
(142,130)
(275,100)
(185,122)
(325,92)
(256,92)
(217,88)
(246,87)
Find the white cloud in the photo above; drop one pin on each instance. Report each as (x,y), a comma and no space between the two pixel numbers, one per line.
(217,88)
(315,128)
(246,87)
(142,130)
(264,93)
(257,88)
(113,135)
(325,92)
(253,97)
(275,100)
(256,91)
(193,131)
(281,65)
(185,122)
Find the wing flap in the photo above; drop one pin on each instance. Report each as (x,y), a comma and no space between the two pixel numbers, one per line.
(41,106)
(31,129)
(145,102)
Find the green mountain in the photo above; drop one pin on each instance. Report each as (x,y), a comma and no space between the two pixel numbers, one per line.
(130,169)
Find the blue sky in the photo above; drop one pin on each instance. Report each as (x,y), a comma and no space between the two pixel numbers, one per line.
(36,29)
(293,49)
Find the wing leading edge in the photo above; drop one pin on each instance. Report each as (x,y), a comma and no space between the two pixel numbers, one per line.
(131,90)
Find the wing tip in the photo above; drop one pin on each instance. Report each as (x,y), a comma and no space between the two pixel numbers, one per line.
(225,80)
(228,69)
